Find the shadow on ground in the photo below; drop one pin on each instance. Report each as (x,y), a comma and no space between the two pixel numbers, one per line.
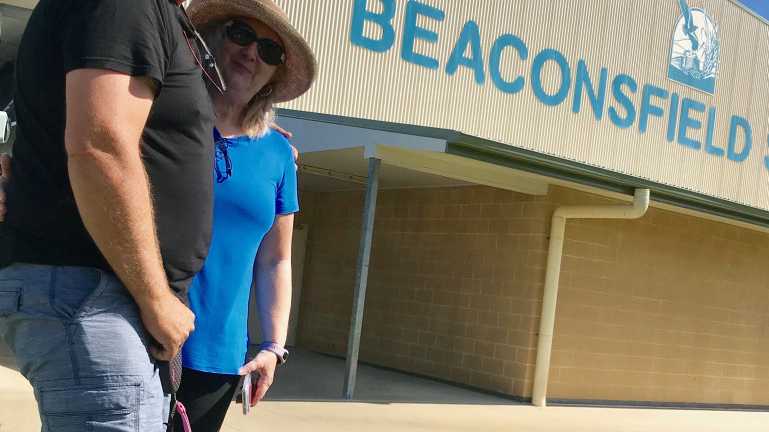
(314,377)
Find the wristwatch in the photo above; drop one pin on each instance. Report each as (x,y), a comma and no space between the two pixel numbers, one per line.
(276,349)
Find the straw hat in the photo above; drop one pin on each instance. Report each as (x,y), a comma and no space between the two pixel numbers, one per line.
(299,69)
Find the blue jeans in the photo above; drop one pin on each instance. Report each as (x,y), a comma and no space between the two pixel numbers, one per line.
(77,337)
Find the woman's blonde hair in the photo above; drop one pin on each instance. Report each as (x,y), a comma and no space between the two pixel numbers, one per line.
(259,113)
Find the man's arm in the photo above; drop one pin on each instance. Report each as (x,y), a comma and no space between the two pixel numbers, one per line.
(273,298)
(106,114)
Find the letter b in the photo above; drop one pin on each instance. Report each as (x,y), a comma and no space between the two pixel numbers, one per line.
(384,20)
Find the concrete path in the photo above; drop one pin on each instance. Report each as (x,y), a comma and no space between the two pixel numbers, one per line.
(357,417)
(305,398)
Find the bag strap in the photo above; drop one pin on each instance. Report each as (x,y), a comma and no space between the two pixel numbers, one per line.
(182,411)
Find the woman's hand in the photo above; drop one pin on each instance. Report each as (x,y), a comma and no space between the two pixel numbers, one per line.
(264,365)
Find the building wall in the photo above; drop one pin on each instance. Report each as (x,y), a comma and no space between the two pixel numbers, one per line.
(454,285)
(667,308)
(370,71)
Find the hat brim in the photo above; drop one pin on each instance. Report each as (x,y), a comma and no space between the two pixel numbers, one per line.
(300,67)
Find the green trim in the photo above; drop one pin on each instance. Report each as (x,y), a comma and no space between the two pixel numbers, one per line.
(421,131)
(537,163)
(470,147)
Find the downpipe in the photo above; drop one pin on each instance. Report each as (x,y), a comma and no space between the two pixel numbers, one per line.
(555,254)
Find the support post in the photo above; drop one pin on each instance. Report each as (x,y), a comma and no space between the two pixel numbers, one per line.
(361,277)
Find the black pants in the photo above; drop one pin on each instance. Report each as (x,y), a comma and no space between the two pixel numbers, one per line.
(206,397)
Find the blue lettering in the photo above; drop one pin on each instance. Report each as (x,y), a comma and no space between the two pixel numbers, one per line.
(672,117)
(686,122)
(495,59)
(360,15)
(412,32)
(536,79)
(582,81)
(766,158)
(471,36)
(647,109)
(739,123)
(624,101)
(709,147)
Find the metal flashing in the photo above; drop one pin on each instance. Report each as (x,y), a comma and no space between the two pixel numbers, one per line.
(479,149)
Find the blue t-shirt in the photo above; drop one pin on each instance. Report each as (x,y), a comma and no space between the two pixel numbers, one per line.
(255,180)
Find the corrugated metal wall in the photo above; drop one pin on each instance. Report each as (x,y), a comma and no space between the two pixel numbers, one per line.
(625,36)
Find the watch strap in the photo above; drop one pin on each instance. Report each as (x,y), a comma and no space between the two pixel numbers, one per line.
(280,352)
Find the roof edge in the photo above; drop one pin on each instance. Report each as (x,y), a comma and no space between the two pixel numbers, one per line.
(484,150)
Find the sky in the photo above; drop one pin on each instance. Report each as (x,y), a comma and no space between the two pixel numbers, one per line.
(760,7)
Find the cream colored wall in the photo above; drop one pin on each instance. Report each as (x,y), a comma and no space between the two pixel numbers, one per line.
(668,308)
(27,4)
(453,286)
(623,36)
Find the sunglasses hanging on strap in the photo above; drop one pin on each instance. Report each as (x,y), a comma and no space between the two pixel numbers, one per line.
(200,52)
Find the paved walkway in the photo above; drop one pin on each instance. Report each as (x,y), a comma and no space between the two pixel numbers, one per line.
(356,417)
(305,398)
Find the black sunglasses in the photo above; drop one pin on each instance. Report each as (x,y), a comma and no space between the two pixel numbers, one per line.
(242,34)
(223,163)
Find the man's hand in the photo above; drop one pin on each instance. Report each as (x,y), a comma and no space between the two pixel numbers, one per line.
(288,135)
(170,322)
(5,175)
(263,364)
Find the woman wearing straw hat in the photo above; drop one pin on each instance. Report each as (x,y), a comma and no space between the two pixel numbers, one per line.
(263,60)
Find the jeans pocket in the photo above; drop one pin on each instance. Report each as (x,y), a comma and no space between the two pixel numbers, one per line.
(10,297)
(73,288)
(100,422)
(96,408)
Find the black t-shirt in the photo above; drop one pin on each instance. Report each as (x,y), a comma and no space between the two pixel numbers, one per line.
(139,38)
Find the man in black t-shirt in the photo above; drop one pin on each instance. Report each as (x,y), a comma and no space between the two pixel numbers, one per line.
(109,207)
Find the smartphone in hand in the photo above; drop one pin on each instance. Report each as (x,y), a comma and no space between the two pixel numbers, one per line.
(246,393)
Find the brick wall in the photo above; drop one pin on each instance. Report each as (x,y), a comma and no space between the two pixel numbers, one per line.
(454,286)
(334,221)
(666,308)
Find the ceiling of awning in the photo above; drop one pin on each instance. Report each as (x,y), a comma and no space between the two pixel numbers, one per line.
(341,170)
(335,157)
(13,20)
